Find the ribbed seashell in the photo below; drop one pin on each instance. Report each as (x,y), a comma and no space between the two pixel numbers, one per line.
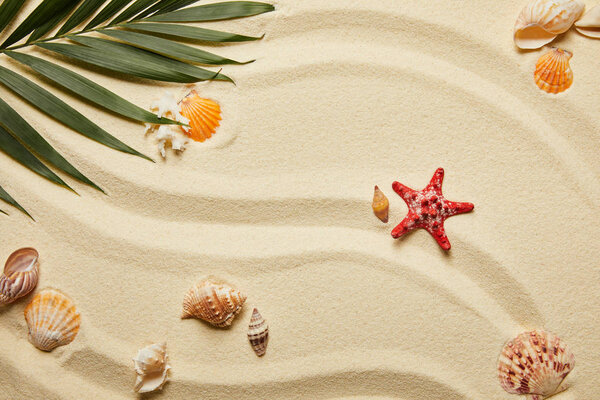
(21,273)
(381,205)
(151,368)
(535,363)
(213,302)
(204,116)
(541,21)
(258,333)
(52,319)
(553,74)
(589,24)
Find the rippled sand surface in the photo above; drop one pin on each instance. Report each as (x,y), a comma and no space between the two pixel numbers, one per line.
(343,95)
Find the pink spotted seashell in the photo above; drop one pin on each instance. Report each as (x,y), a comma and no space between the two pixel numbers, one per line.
(21,273)
(535,363)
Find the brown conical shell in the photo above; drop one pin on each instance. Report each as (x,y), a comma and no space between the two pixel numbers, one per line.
(258,333)
(535,363)
(204,116)
(553,74)
(21,273)
(213,302)
(52,319)
(381,205)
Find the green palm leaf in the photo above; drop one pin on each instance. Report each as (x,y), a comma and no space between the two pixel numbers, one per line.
(8,198)
(188,32)
(8,10)
(61,111)
(168,48)
(84,11)
(139,44)
(20,129)
(214,12)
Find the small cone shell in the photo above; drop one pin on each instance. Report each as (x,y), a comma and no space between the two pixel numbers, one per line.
(52,319)
(213,302)
(21,274)
(258,333)
(535,363)
(589,24)
(151,368)
(553,73)
(540,21)
(381,205)
(204,116)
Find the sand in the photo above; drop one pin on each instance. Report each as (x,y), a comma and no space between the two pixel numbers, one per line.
(343,95)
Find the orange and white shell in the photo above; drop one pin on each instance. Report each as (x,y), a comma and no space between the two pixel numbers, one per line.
(589,24)
(258,333)
(151,368)
(541,21)
(380,205)
(204,116)
(535,363)
(52,319)
(553,74)
(21,273)
(213,302)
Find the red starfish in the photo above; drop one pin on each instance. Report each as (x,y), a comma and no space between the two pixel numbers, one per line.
(428,209)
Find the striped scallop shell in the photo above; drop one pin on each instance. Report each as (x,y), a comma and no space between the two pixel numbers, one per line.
(213,302)
(21,273)
(535,363)
(204,116)
(258,333)
(553,74)
(52,319)
(151,367)
(541,21)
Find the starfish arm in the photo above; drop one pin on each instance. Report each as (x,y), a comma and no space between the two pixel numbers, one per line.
(407,225)
(439,234)
(436,180)
(455,207)
(403,191)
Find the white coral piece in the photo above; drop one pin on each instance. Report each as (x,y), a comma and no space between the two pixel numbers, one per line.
(168,135)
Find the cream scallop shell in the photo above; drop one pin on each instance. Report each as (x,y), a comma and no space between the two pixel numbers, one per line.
(258,333)
(52,319)
(589,24)
(553,74)
(535,363)
(151,368)
(542,20)
(214,302)
(21,273)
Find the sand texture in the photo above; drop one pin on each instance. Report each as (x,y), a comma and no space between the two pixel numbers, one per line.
(343,95)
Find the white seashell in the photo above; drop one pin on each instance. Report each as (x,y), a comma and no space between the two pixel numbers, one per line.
(21,273)
(542,20)
(258,333)
(589,24)
(151,368)
(214,302)
(52,319)
(535,363)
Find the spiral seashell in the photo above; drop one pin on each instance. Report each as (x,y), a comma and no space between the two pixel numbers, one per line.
(21,273)
(151,368)
(589,24)
(541,21)
(52,319)
(535,363)
(258,333)
(553,74)
(204,116)
(214,302)
(381,205)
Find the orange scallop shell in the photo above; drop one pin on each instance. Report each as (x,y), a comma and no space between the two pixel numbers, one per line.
(204,116)
(553,74)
